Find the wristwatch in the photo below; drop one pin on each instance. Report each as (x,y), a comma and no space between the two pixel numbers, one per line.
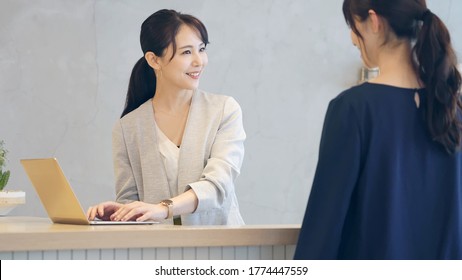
(169,204)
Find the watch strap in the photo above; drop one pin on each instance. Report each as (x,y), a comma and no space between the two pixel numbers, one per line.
(169,204)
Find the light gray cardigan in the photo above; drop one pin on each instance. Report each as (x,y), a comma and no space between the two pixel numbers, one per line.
(211,154)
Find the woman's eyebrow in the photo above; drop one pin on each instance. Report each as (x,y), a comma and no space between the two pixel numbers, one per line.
(190,46)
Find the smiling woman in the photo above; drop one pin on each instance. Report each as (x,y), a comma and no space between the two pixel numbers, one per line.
(177,150)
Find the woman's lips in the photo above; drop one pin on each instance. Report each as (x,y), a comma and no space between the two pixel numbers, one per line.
(194,75)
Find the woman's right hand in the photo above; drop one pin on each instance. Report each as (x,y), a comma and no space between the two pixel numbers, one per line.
(103,211)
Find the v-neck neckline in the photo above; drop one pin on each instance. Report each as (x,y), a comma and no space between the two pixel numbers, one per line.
(186,124)
(165,138)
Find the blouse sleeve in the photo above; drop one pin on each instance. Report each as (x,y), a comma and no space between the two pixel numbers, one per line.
(222,168)
(335,179)
(126,190)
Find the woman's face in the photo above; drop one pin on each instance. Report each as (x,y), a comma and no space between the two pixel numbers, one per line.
(184,70)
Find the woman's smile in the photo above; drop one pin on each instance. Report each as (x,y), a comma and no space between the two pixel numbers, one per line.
(194,75)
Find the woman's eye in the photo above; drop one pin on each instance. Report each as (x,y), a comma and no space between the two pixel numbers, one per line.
(186,52)
(202,49)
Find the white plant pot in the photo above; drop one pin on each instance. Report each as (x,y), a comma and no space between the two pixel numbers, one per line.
(10,199)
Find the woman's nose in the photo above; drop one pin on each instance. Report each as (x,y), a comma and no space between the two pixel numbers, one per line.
(197,61)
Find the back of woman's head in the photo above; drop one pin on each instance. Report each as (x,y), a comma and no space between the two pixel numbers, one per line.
(433,55)
(158,32)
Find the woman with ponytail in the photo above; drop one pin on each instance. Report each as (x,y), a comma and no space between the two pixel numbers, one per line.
(388,183)
(177,150)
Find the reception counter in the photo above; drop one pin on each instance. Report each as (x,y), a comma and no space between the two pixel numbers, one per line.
(39,238)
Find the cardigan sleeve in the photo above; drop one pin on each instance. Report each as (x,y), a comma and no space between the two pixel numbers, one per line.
(126,190)
(335,179)
(223,166)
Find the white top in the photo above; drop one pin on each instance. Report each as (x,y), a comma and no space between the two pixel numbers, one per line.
(170,154)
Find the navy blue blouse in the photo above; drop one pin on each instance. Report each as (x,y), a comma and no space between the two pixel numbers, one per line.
(382,189)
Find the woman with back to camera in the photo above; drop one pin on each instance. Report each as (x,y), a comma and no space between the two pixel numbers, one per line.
(388,183)
(177,150)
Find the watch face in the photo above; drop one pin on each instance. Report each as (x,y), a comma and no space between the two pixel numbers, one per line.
(167,202)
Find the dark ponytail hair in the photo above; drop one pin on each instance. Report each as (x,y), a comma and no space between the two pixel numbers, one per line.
(437,64)
(434,58)
(158,31)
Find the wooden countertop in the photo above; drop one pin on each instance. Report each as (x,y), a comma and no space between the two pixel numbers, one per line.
(32,233)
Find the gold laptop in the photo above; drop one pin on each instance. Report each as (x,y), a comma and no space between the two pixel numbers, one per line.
(57,195)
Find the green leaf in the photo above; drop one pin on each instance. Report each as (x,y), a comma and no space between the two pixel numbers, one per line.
(4,177)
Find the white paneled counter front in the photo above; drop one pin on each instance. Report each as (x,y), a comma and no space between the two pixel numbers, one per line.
(38,238)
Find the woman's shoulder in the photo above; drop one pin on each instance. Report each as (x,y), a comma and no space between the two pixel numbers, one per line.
(348,98)
(372,91)
(354,92)
(212,97)
(142,112)
(369,93)
(217,100)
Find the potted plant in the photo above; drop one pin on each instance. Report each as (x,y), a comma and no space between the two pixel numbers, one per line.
(4,175)
(8,199)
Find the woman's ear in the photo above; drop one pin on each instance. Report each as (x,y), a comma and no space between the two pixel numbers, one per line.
(152,60)
(375,21)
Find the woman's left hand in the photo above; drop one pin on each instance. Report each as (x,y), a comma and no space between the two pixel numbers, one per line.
(140,211)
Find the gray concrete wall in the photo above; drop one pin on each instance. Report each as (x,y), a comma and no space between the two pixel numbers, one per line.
(64,69)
